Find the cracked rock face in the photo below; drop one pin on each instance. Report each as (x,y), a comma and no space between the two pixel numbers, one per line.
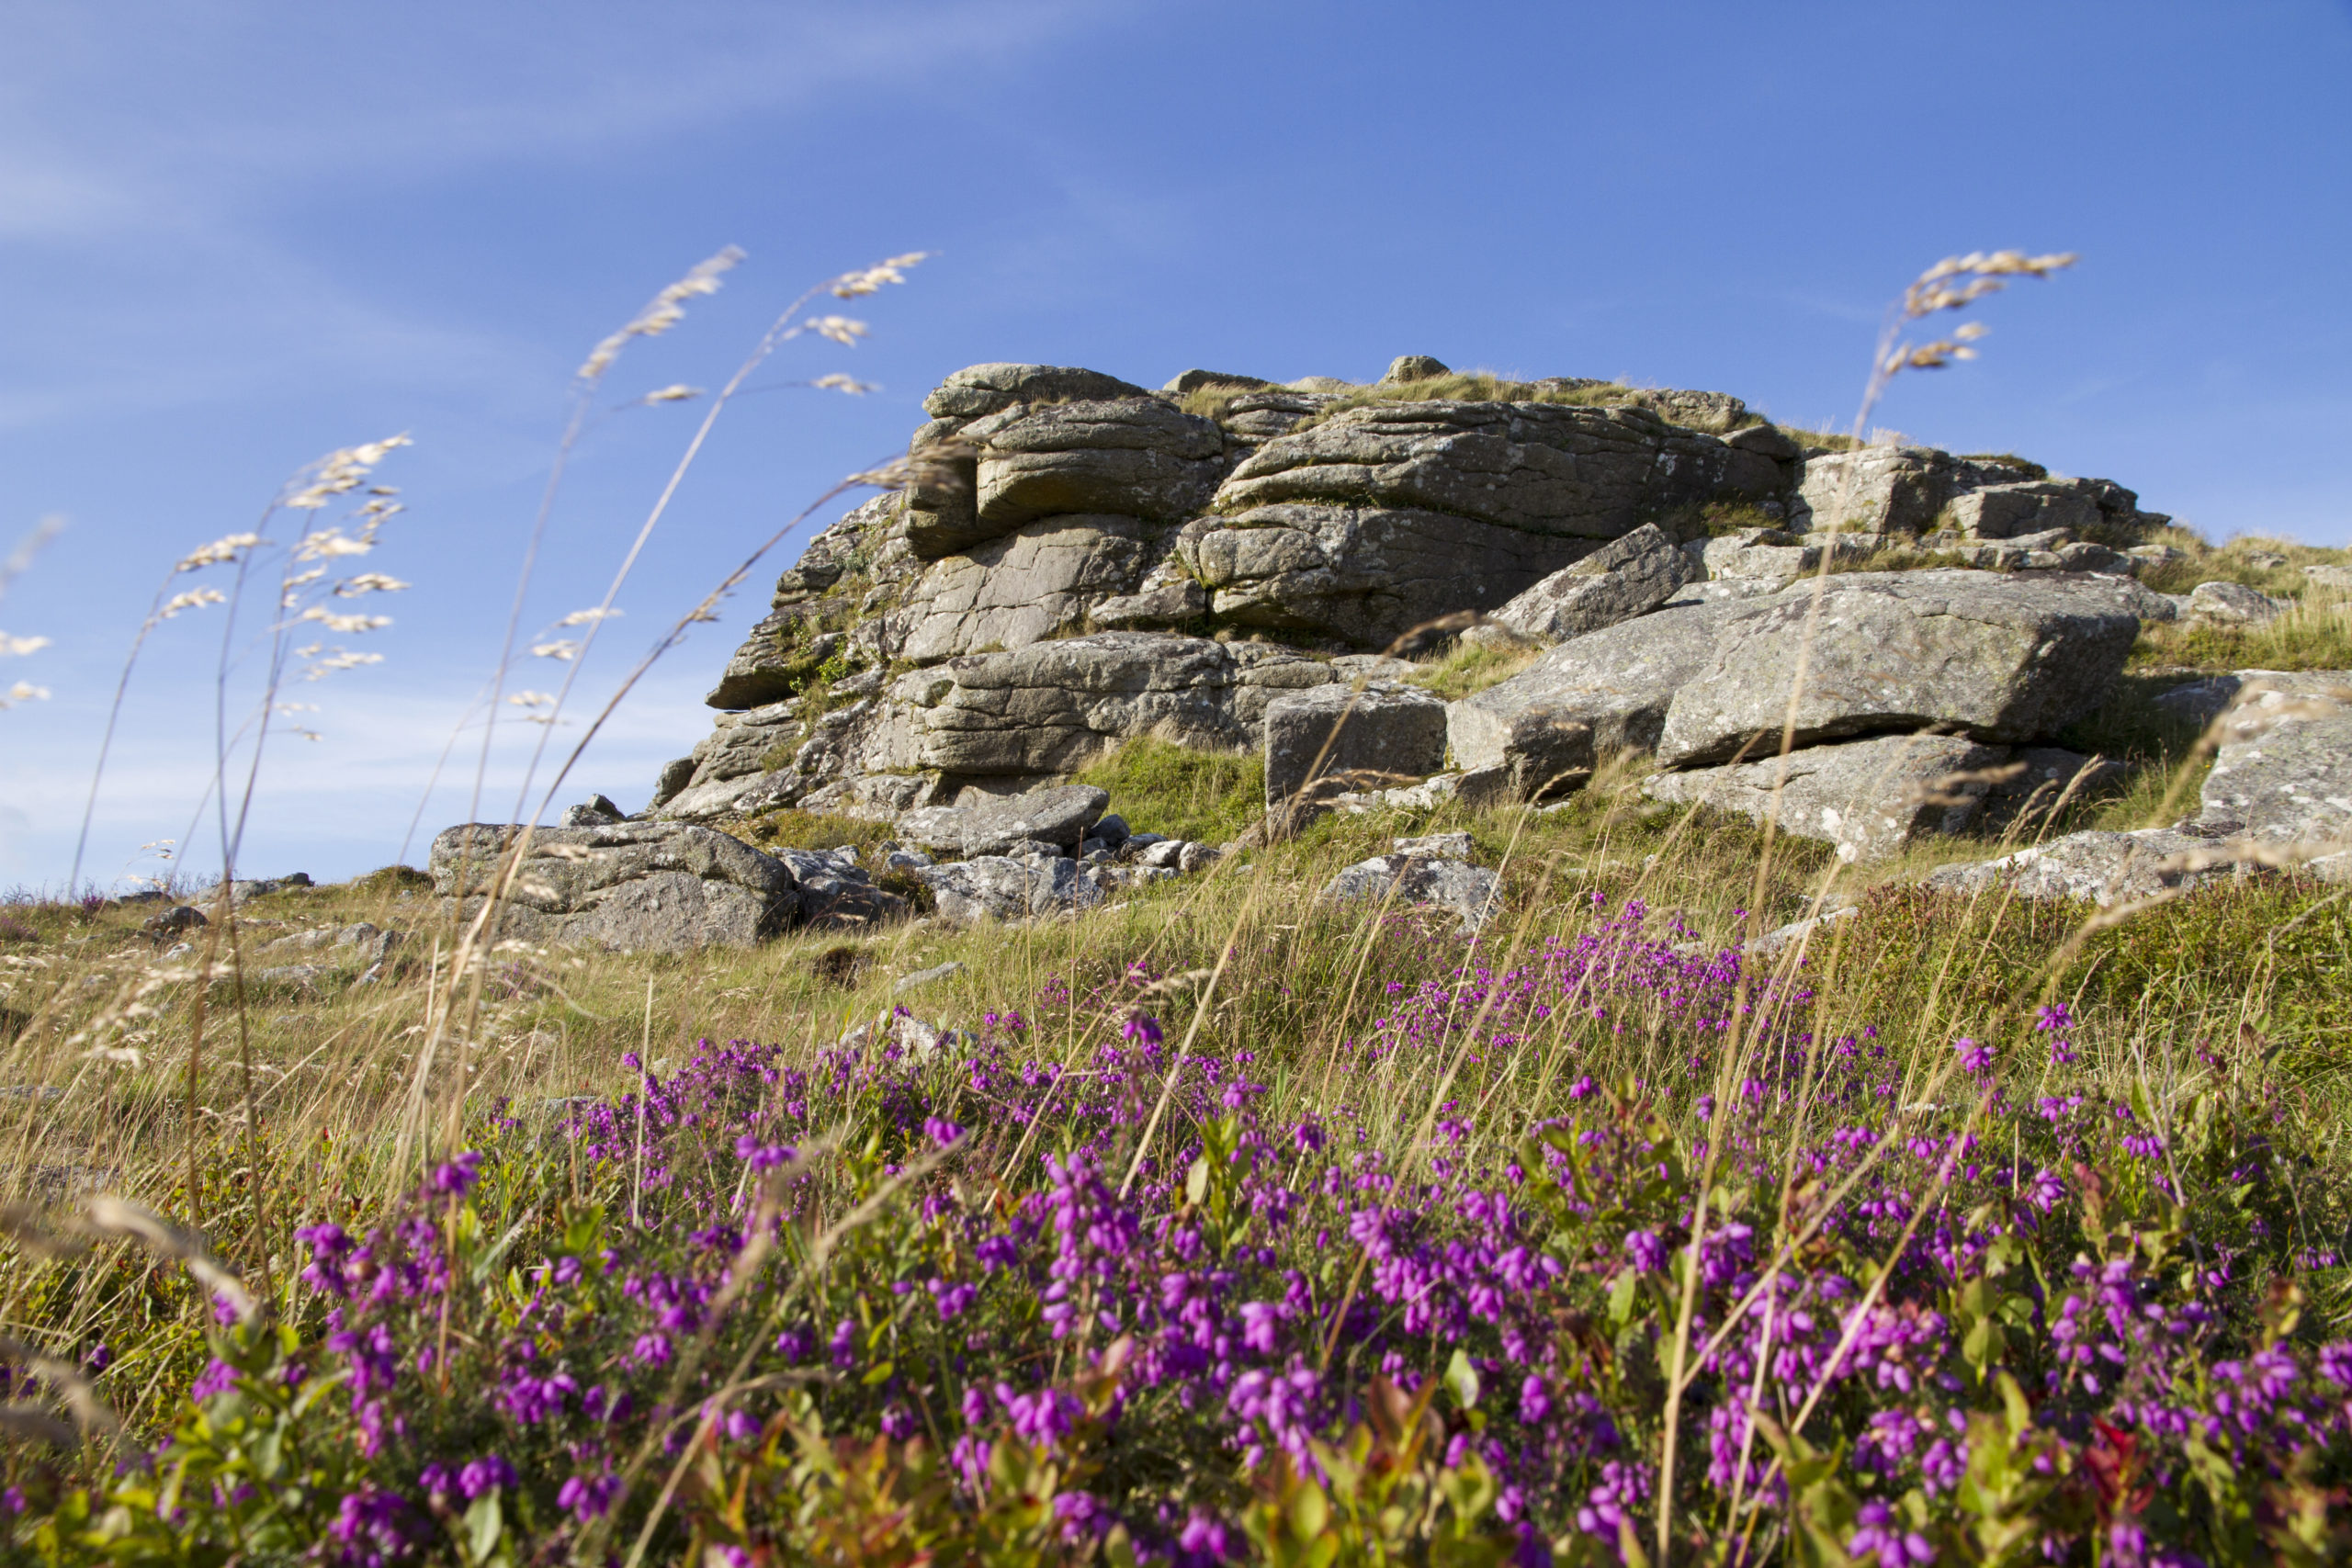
(1539,468)
(2001,658)
(1365,575)
(1039,580)
(1870,798)
(1045,709)
(1137,457)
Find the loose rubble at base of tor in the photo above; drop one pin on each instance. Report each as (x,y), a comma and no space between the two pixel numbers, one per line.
(1227,563)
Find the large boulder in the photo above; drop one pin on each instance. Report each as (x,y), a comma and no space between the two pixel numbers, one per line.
(631,887)
(1367,575)
(2283,772)
(2003,658)
(1000,887)
(1870,798)
(1616,683)
(1541,468)
(1386,733)
(1624,577)
(1059,815)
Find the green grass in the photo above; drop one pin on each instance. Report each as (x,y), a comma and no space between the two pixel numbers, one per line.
(2314,635)
(1161,787)
(1467,668)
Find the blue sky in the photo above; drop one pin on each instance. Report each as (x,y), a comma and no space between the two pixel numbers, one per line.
(234,236)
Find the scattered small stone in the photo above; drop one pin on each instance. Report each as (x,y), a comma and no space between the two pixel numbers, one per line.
(925,977)
(1437,846)
(1406,880)
(1196,857)
(1165,853)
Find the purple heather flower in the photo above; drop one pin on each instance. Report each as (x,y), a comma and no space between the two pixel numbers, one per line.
(1647,1250)
(1879,1538)
(483,1474)
(218,1377)
(457,1176)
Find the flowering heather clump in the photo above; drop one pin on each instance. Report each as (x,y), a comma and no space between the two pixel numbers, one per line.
(888,1307)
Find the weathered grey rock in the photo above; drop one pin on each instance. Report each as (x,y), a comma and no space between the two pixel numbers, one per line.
(2233,603)
(172,921)
(2105,868)
(639,887)
(596,812)
(1111,828)
(1058,817)
(1368,575)
(675,775)
(1403,881)
(1332,738)
(2004,657)
(978,390)
(1170,603)
(857,564)
(1002,888)
(1872,489)
(1166,852)
(2325,576)
(1762,554)
(1045,709)
(2283,772)
(1187,381)
(1038,581)
(1815,926)
(1255,417)
(1134,456)
(1436,846)
(1543,467)
(1870,798)
(1414,367)
(836,894)
(1767,441)
(2031,506)
(1194,859)
(1624,577)
(1617,684)
(922,977)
